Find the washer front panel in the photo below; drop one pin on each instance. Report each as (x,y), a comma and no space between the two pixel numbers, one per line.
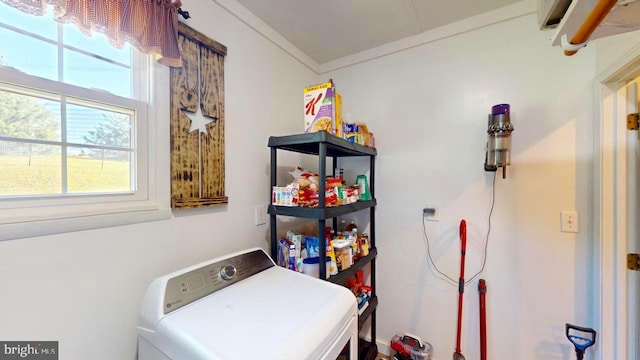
(186,288)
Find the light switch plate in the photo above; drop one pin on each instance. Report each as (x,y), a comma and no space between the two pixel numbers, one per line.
(260,214)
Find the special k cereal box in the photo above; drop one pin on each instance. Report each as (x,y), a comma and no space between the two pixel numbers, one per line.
(319,108)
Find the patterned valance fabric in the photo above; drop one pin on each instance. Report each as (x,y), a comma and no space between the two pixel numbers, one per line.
(151,26)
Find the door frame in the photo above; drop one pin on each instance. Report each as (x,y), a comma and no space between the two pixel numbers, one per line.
(615,292)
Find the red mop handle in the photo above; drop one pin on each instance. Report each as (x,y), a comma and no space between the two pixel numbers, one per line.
(463,249)
(463,239)
(482,290)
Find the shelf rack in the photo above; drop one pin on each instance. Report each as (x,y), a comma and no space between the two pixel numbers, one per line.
(323,145)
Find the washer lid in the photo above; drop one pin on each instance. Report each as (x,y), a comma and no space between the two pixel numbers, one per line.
(275,314)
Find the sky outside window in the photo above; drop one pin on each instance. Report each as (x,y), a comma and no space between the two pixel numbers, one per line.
(39,25)
(89,72)
(97,44)
(40,58)
(28,55)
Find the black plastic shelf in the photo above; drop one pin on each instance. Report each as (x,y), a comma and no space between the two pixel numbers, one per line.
(342,277)
(318,213)
(373,303)
(310,144)
(367,350)
(324,145)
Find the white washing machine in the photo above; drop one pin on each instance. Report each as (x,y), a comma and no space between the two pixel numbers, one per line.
(242,306)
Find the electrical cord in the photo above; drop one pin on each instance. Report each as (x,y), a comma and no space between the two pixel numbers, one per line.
(424,231)
(486,241)
(448,278)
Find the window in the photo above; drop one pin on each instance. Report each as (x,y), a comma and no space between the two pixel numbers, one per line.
(73,123)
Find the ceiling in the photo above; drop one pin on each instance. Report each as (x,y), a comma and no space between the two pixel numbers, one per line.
(332,29)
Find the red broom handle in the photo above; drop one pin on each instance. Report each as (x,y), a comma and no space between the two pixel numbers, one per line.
(463,249)
(459,323)
(482,290)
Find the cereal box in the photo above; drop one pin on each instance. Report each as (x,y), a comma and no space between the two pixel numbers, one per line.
(337,124)
(319,108)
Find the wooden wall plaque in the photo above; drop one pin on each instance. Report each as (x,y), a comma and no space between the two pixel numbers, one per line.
(197,122)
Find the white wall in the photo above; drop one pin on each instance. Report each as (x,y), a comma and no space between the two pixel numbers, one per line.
(428,107)
(84,289)
(610,49)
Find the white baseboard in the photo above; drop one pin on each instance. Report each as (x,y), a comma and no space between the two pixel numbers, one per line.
(383,348)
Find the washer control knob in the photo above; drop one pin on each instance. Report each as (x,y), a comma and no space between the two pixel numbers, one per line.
(228,272)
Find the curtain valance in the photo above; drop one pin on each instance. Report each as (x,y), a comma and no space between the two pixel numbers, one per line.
(151,26)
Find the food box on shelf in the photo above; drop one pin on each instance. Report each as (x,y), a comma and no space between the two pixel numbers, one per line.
(322,109)
(285,195)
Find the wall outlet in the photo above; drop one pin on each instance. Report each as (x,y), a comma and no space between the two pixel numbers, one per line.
(569,221)
(260,214)
(431,212)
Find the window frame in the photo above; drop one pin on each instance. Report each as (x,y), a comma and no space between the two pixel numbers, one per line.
(17,81)
(34,215)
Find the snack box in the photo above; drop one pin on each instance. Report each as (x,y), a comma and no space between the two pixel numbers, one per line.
(285,195)
(312,245)
(322,109)
(338,127)
(287,254)
(296,239)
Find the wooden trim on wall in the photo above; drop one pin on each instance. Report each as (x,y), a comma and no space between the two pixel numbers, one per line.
(193,34)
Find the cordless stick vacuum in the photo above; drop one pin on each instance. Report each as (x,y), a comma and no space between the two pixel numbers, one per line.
(463,239)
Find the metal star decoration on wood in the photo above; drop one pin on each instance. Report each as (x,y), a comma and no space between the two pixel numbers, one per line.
(198,121)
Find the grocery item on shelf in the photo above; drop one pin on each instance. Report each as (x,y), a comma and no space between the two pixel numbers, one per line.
(322,109)
(342,249)
(323,112)
(354,242)
(342,226)
(361,291)
(303,191)
(337,123)
(363,185)
(344,253)
(304,178)
(310,267)
(359,133)
(289,255)
(286,195)
(301,253)
(333,265)
(312,245)
(364,245)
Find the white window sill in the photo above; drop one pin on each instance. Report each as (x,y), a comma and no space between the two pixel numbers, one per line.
(16,226)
